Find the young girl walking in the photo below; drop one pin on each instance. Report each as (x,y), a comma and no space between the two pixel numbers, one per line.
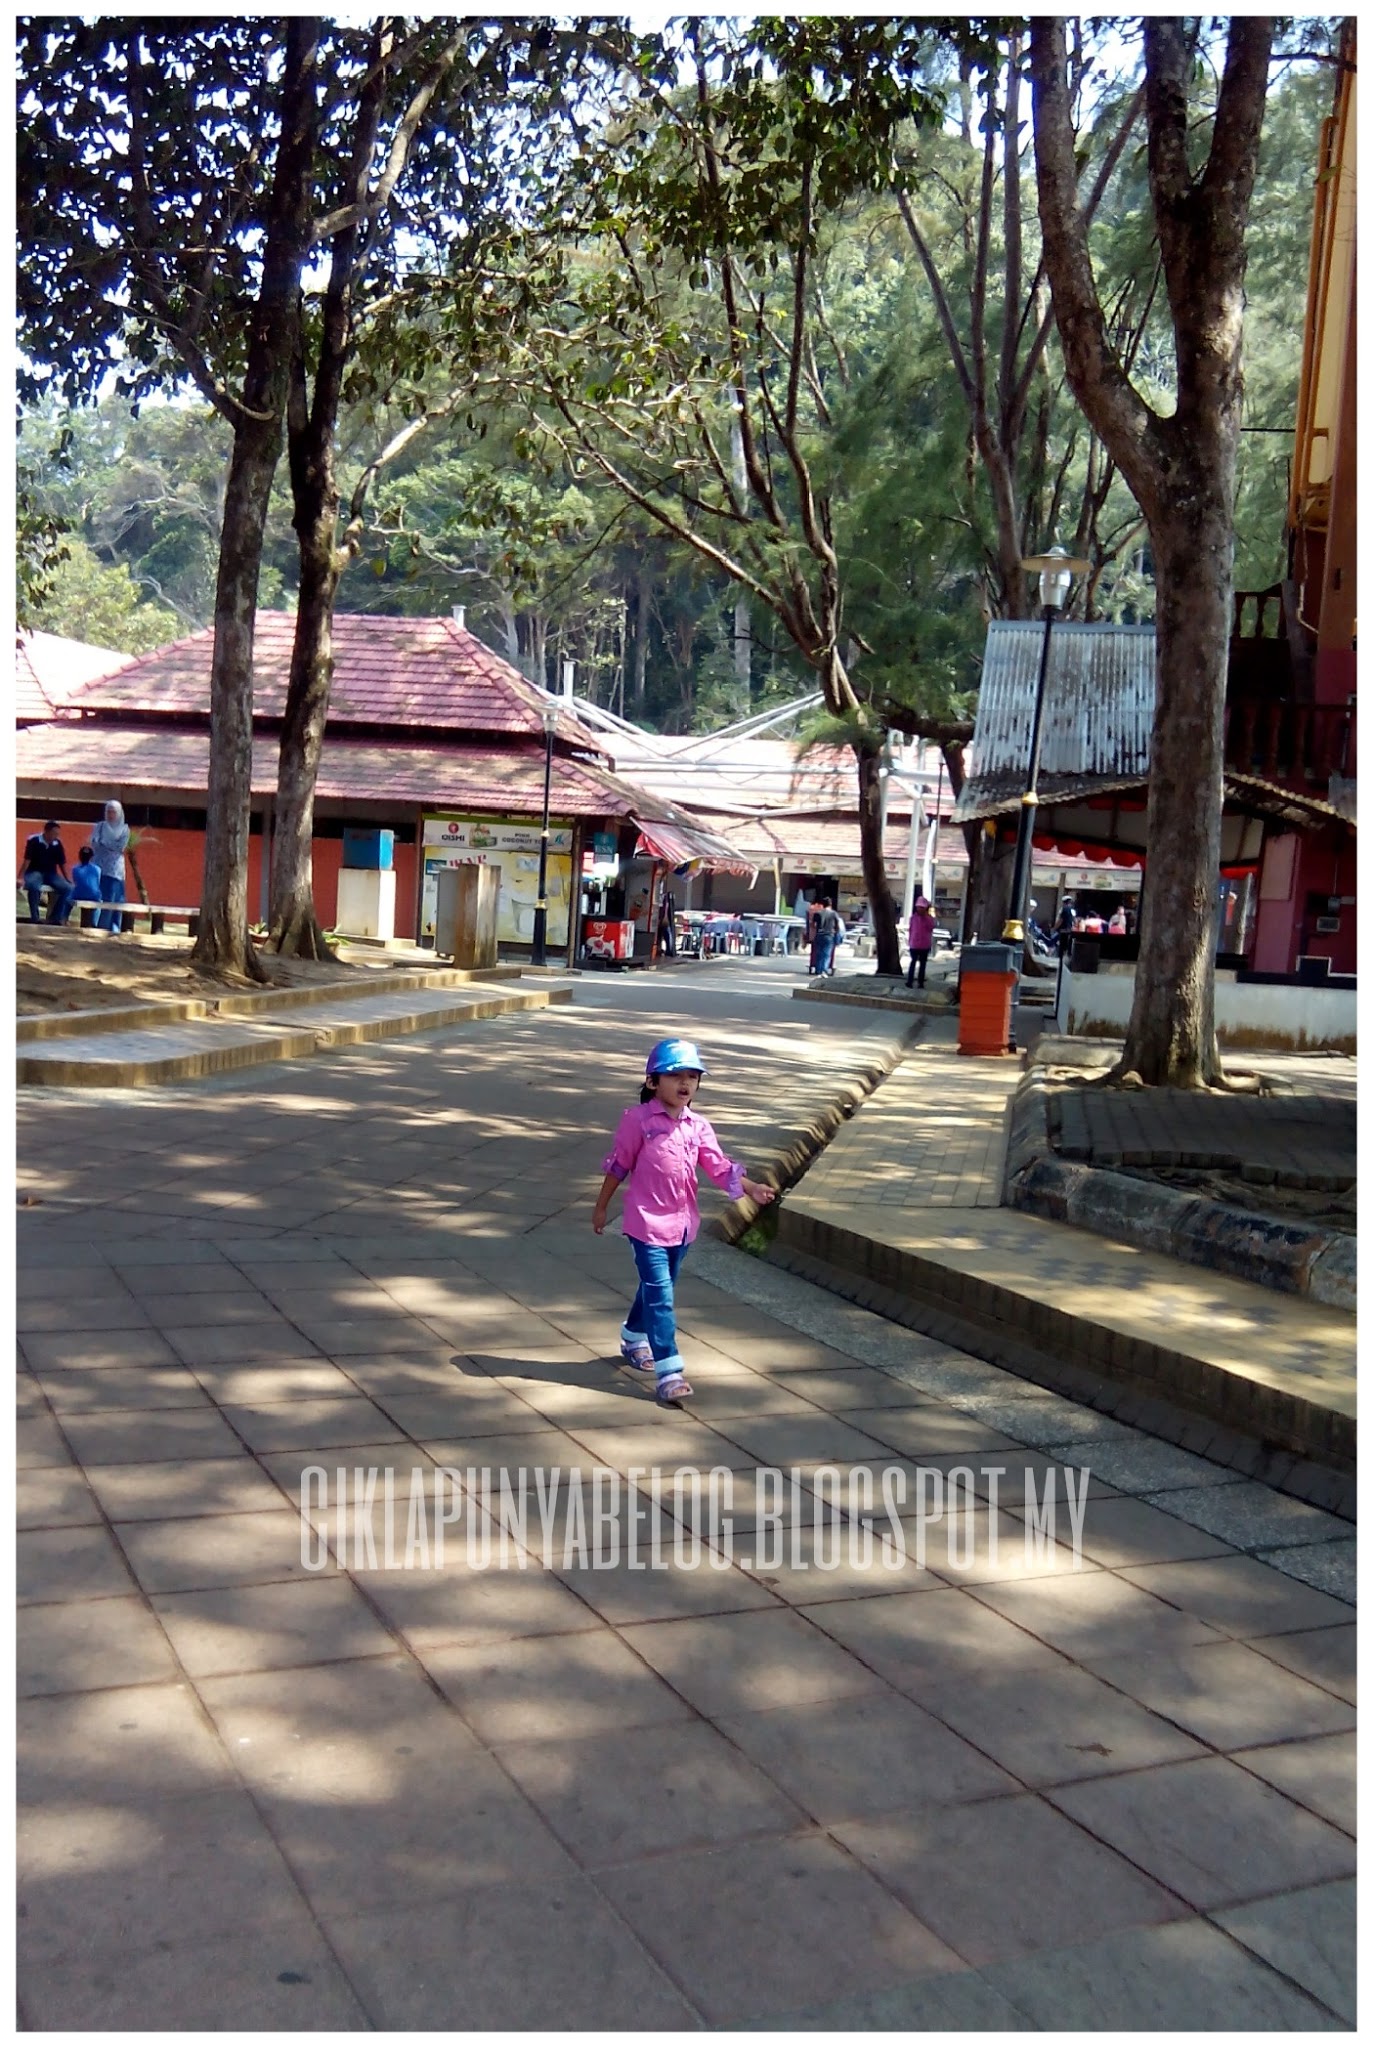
(659,1145)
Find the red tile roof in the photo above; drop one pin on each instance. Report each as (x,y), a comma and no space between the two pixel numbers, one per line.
(429,674)
(49,668)
(141,762)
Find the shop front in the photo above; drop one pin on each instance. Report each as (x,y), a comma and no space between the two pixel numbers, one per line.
(511,846)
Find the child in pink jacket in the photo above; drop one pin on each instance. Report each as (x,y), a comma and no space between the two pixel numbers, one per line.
(920,938)
(659,1145)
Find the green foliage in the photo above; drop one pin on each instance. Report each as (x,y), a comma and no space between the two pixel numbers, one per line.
(84,600)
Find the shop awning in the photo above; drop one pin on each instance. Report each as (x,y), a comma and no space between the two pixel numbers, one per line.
(682,845)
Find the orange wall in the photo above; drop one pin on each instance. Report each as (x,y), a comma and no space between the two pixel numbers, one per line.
(172,865)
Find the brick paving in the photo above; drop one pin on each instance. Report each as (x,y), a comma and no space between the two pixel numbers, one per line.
(975,1793)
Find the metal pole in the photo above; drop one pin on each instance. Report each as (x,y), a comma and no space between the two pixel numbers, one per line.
(1013,931)
(537,954)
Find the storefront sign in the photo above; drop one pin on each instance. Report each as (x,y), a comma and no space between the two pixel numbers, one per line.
(486,835)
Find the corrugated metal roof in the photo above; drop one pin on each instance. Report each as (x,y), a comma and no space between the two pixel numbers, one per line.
(428,673)
(1098,713)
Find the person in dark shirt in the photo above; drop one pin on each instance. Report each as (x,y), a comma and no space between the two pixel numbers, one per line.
(45,867)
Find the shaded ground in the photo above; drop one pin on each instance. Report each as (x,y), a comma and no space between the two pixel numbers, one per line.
(68,969)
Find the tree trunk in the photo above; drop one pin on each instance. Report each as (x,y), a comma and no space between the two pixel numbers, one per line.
(294,926)
(992,890)
(1171,1037)
(868,754)
(640,639)
(223,944)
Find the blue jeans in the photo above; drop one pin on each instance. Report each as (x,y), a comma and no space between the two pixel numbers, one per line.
(111,891)
(652,1315)
(824,952)
(59,896)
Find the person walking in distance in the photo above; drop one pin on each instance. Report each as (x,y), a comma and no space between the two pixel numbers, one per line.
(813,911)
(108,841)
(660,1143)
(920,938)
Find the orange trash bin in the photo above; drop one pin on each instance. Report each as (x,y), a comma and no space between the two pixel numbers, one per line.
(986,990)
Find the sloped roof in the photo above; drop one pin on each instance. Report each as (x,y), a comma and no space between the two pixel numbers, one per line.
(49,668)
(429,674)
(507,780)
(1098,713)
(826,842)
(749,774)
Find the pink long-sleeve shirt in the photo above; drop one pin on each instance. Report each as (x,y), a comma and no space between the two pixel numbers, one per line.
(658,1154)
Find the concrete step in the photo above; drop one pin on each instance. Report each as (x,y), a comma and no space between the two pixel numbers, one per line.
(188,1048)
(1279,1370)
(247,1003)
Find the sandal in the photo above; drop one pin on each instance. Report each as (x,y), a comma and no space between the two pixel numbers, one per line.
(636,1359)
(672,1387)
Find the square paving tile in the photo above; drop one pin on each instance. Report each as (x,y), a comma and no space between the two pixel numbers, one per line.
(150,1436)
(80,1308)
(863,1758)
(1226,1694)
(315,1422)
(183,1555)
(966,1544)
(1090,1615)
(261,1628)
(664,1591)
(664,1441)
(97,1882)
(956,2001)
(288,1379)
(637,1792)
(203,1486)
(951,1865)
(919,1640)
(1319,1774)
(1185,1977)
(1210,1831)
(1239,1595)
(859,1387)
(124,1387)
(1119,1531)
(124,1744)
(1309,1935)
(53,1497)
(761,1927)
(740,1663)
(68,1564)
(349,1336)
(506,1959)
(278,1979)
(785,1440)
(1327,1656)
(84,1645)
(932,1430)
(538,1688)
(38,1442)
(1051,1727)
(1251,1514)
(197,1344)
(77,1352)
(460,1604)
(841,1561)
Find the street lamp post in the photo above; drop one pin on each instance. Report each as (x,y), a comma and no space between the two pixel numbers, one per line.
(537,951)
(1056,572)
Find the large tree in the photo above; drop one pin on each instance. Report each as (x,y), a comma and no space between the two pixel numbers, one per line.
(165,186)
(1181,468)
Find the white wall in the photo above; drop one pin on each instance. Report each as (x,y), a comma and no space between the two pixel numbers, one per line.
(1247,1013)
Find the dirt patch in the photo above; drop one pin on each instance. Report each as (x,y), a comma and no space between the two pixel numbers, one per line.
(68,969)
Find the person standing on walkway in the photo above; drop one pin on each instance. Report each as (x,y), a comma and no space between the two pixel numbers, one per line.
(920,938)
(85,887)
(44,866)
(813,910)
(108,841)
(658,1147)
(828,927)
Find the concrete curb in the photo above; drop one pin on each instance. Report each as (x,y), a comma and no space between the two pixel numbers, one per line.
(1285,1256)
(786,1168)
(277,1042)
(839,995)
(1106,1363)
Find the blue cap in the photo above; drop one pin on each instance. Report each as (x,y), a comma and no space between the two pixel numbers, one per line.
(674,1056)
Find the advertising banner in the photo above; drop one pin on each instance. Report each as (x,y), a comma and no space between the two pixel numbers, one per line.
(512,847)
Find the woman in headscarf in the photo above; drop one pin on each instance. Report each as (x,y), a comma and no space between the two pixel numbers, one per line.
(108,840)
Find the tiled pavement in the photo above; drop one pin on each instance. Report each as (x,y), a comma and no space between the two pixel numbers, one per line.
(978,1793)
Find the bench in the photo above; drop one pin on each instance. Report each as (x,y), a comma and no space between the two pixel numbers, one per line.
(157,914)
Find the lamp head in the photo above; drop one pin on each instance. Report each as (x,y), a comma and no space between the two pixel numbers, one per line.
(1055,583)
